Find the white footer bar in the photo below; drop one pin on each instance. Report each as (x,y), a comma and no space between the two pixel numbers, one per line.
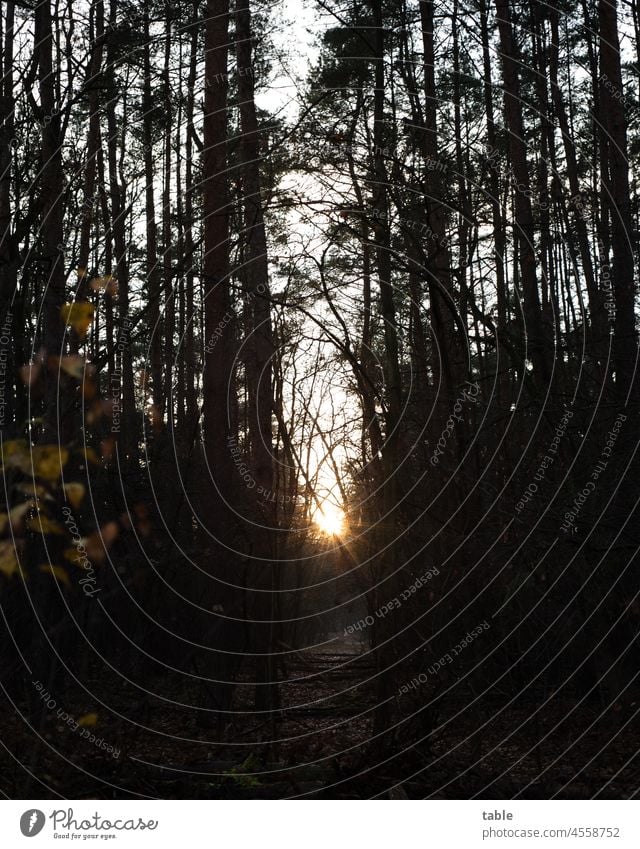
(320,824)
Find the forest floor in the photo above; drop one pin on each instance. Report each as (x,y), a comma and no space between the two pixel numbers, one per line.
(325,745)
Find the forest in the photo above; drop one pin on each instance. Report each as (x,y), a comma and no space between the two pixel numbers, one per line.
(319,399)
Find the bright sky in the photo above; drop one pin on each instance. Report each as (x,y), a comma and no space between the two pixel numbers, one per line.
(294,45)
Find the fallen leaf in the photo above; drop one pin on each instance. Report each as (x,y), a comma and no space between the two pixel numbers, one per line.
(8,559)
(88,720)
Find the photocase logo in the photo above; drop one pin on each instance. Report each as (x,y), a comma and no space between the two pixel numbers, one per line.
(32,822)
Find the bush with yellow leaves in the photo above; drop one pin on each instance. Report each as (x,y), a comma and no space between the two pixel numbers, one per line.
(46,483)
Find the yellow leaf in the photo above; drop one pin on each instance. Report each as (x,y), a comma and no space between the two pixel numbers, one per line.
(16,514)
(48,461)
(73,556)
(33,490)
(78,315)
(73,365)
(13,446)
(8,559)
(90,455)
(15,455)
(88,720)
(57,572)
(74,493)
(41,524)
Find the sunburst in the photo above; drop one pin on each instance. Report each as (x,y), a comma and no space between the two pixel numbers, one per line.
(329,518)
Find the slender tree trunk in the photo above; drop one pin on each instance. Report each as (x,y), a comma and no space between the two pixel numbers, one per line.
(167,249)
(388,526)
(218,376)
(52,193)
(93,145)
(255,271)
(190,258)
(11,312)
(499,239)
(260,356)
(123,373)
(108,267)
(536,338)
(616,198)
(151,246)
(383,263)
(438,253)
(597,314)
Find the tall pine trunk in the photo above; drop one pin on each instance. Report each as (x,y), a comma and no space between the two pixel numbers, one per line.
(259,344)
(537,348)
(218,375)
(52,194)
(616,198)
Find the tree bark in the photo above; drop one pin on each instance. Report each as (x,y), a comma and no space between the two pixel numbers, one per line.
(52,196)
(524,222)
(616,198)
(151,247)
(260,351)
(218,374)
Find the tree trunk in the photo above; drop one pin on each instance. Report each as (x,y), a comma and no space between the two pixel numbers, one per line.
(93,145)
(151,247)
(536,339)
(167,249)
(597,314)
(52,235)
(122,380)
(616,199)
(11,310)
(259,358)
(218,375)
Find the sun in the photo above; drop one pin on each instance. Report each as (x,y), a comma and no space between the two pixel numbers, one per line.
(330,519)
